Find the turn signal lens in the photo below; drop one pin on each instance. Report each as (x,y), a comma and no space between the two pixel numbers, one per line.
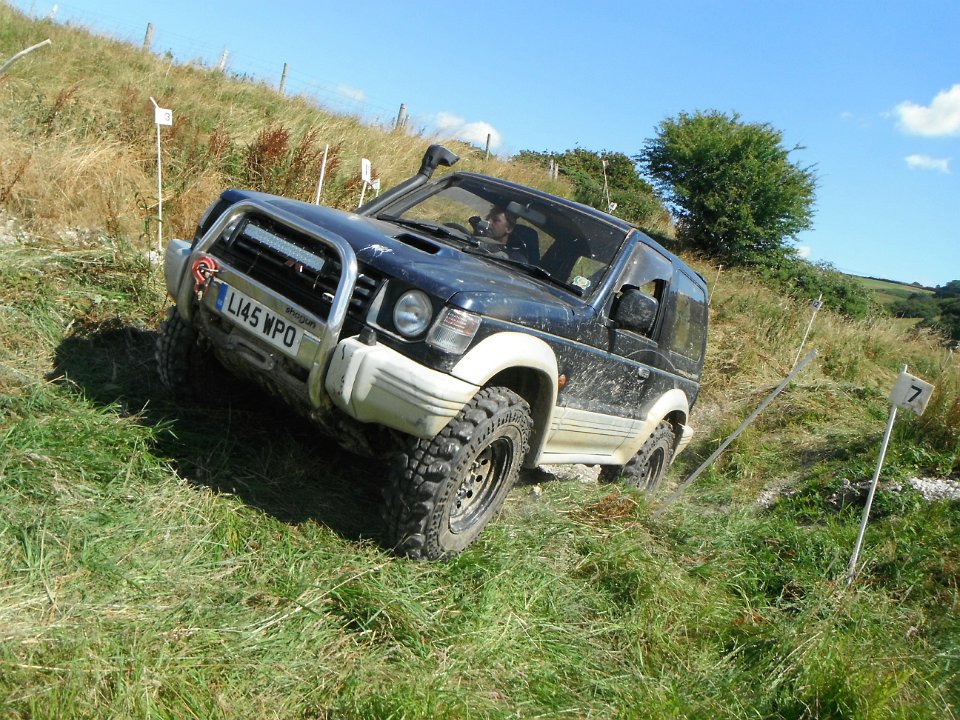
(454,330)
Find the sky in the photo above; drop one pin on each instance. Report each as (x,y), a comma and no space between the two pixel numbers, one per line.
(865,92)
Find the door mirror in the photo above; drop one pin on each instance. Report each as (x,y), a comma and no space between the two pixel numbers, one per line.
(636,311)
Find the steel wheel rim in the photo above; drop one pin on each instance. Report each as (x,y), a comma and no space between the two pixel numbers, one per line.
(654,468)
(480,487)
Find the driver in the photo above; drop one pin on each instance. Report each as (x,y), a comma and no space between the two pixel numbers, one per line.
(496,235)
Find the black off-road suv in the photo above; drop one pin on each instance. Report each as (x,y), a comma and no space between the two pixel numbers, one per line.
(404,327)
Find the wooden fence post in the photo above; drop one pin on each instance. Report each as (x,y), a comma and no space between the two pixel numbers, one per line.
(148,37)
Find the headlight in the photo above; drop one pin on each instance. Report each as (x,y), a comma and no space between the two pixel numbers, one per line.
(412,313)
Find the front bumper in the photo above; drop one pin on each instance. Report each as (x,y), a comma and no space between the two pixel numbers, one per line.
(371,383)
(376,384)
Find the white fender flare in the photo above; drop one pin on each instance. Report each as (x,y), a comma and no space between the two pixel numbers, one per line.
(506,350)
(672,401)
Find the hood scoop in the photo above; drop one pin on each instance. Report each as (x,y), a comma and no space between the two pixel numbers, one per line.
(417,242)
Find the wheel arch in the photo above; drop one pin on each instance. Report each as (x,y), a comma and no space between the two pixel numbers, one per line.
(677,420)
(525,364)
(671,407)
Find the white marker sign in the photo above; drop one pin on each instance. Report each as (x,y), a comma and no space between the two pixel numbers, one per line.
(365,171)
(162,116)
(911,393)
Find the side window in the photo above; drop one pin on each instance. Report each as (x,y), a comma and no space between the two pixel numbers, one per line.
(650,273)
(686,333)
(648,270)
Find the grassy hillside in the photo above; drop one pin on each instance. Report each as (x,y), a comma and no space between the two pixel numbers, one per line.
(219,559)
(888,291)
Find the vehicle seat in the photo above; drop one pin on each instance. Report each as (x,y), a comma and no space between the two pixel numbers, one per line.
(527,241)
(563,255)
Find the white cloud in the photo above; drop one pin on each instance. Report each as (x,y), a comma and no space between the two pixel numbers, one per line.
(453,126)
(351,93)
(804,251)
(925,162)
(941,117)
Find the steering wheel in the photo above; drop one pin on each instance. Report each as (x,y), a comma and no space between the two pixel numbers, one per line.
(458,226)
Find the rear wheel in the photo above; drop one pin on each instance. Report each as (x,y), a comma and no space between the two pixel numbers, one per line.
(443,491)
(647,468)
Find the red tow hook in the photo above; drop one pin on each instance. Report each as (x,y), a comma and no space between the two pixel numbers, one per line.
(203,270)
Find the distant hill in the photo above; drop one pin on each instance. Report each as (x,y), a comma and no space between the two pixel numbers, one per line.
(889,291)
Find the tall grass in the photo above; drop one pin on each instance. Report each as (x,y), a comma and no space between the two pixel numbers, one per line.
(82,151)
(219,558)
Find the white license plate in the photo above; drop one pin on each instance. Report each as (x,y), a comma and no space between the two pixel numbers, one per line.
(259,320)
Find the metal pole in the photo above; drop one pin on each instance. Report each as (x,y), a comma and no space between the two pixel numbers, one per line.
(223,61)
(486,153)
(323,171)
(159,196)
(606,189)
(816,309)
(10,61)
(159,188)
(714,289)
(283,78)
(401,117)
(852,569)
(743,426)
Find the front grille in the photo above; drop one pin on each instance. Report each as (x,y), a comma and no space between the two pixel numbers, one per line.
(297,267)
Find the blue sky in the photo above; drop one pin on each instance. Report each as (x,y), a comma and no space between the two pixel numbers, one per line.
(869,89)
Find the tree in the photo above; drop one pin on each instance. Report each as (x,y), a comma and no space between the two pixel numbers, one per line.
(950,290)
(732,185)
(950,318)
(917,305)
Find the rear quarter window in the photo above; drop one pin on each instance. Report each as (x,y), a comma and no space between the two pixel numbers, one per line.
(686,332)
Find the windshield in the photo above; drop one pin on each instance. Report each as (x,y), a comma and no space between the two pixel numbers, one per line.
(504,222)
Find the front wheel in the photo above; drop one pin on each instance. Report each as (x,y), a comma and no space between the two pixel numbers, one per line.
(443,491)
(185,368)
(646,469)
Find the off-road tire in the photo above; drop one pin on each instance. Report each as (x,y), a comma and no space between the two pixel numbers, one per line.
(646,469)
(181,361)
(442,492)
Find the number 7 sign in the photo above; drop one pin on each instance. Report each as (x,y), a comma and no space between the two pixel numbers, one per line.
(911,393)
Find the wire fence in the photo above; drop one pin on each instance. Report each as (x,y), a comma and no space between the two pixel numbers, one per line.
(239,60)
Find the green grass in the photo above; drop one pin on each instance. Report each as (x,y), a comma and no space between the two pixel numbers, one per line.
(219,559)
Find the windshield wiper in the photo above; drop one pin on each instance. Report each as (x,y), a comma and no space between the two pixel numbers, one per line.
(535,270)
(431,227)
